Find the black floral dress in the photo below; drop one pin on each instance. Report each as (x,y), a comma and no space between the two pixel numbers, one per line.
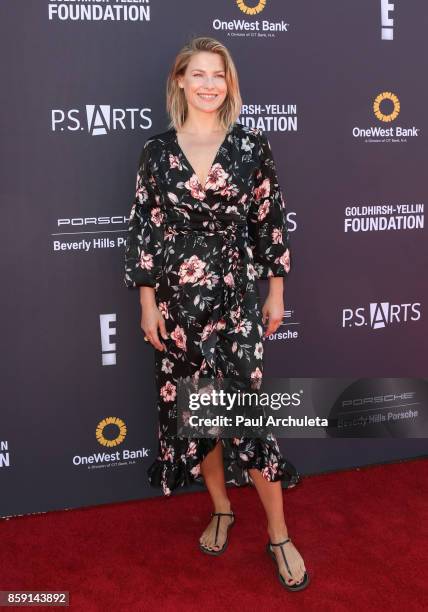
(202,248)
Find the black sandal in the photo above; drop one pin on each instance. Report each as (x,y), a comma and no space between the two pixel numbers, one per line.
(290,587)
(209,551)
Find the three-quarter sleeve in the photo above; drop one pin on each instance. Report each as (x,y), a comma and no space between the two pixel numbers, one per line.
(145,238)
(267,223)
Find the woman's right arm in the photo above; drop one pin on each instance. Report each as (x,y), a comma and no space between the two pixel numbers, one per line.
(144,247)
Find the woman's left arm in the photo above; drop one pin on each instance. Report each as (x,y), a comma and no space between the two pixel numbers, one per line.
(268,233)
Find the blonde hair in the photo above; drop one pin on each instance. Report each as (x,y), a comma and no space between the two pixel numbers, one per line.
(176,103)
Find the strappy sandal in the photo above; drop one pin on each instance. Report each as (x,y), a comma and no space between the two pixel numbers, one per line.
(290,587)
(208,551)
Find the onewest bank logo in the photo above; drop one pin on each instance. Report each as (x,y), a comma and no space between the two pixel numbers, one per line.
(251,10)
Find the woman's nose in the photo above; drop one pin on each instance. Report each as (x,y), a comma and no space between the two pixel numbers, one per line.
(209,82)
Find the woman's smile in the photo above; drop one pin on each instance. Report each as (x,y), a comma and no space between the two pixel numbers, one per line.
(207,96)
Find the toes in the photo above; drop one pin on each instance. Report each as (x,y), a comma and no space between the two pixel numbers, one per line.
(204,541)
(300,577)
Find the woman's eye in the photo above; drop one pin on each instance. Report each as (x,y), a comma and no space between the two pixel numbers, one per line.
(220,76)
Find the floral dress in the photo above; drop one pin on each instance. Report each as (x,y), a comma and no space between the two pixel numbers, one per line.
(202,248)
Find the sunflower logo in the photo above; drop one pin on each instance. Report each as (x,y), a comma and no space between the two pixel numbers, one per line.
(386,95)
(251,10)
(99,433)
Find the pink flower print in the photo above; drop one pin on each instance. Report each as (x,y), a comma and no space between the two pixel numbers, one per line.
(186,416)
(243,199)
(195,187)
(229,280)
(141,193)
(209,280)
(152,181)
(243,327)
(234,347)
(207,331)
(221,324)
(277,235)
(168,453)
(256,376)
(167,365)
(235,315)
(191,270)
(270,470)
(220,375)
(216,178)
(251,271)
(179,337)
(163,308)
(196,469)
(169,233)
(284,260)
(156,216)
(146,260)
(174,161)
(263,190)
(197,374)
(191,449)
(229,190)
(258,351)
(263,210)
(168,392)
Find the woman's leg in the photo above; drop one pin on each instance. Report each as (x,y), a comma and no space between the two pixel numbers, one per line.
(213,472)
(271,497)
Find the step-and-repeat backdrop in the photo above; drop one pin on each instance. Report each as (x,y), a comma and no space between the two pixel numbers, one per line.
(340,90)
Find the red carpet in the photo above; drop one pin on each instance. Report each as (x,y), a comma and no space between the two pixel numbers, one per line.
(363,534)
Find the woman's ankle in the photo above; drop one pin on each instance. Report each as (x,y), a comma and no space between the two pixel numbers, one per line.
(222,505)
(277,532)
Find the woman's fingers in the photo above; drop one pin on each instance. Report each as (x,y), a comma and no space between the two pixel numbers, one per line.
(273,325)
(151,320)
(152,335)
(162,328)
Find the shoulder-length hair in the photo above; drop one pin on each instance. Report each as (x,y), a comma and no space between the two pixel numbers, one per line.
(176,103)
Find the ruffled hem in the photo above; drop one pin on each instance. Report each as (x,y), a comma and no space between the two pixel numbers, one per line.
(238,458)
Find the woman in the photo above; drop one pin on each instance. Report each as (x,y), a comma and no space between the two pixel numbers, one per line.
(208,219)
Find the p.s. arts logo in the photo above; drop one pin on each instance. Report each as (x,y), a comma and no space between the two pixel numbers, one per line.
(386,108)
(251,10)
(391,114)
(381,314)
(119,428)
(100,119)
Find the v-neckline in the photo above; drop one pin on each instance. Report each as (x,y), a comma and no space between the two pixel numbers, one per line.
(229,131)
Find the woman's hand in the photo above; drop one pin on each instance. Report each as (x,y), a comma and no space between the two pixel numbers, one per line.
(152,319)
(273,308)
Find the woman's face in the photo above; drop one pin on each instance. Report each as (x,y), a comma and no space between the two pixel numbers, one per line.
(204,81)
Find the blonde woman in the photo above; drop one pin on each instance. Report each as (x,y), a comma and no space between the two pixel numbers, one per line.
(207,221)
